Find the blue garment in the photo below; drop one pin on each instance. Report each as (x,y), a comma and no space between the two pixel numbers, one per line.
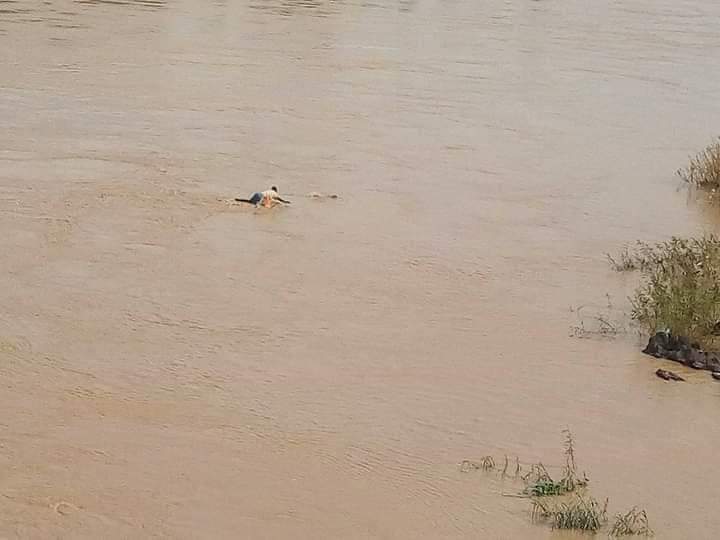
(256,198)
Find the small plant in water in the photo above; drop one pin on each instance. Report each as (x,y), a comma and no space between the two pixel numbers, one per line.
(634,522)
(623,262)
(641,256)
(486,463)
(580,513)
(539,483)
(703,171)
(600,324)
(564,503)
(505,473)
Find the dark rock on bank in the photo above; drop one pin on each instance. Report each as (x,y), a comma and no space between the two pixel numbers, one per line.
(713,363)
(665,345)
(680,349)
(668,375)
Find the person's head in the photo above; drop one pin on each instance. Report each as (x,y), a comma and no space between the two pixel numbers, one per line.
(274,188)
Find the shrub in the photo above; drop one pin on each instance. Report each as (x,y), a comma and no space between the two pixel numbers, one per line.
(703,171)
(681,288)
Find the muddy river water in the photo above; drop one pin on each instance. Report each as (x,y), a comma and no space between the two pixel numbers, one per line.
(176,366)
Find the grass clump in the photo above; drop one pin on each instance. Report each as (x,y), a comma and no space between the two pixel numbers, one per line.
(539,483)
(563,503)
(641,256)
(633,523)
(703,171)
(625,261)
(580,513)
(680,292)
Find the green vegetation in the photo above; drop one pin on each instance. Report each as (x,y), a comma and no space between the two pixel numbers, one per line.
(563,503)
(624,262)
(703,171)
(631,259)
(580,513)
(539,483)
(680,291)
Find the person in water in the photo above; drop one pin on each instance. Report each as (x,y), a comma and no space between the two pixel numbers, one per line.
(267,198)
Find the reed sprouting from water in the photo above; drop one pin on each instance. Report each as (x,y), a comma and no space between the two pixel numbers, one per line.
(486,463)
(634,522)
(581,513)
(703,170)
(539,483)
(564,503)
(538,480)
(625,261)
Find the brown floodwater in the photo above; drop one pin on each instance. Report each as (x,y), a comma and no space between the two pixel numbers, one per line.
(174,365)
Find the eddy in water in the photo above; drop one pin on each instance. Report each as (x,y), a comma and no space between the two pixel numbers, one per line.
(267,198)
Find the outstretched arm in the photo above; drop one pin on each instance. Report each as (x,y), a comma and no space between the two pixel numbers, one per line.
(282,200)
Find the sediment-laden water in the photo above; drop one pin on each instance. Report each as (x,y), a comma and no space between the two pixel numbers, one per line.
(176,366)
